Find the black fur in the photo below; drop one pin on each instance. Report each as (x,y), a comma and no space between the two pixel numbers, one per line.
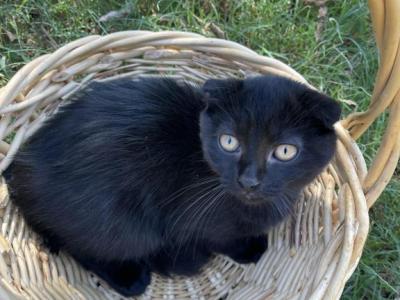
(129,178)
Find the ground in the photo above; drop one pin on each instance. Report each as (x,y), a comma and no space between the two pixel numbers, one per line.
(336,54)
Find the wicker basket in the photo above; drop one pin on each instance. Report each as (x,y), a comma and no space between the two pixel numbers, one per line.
(311,255)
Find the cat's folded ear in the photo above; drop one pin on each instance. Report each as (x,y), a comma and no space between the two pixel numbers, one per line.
(323,107)
(220,89)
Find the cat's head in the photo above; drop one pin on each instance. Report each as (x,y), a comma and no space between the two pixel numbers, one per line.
(266,137)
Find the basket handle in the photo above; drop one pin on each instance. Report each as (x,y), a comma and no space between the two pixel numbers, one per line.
(385,16)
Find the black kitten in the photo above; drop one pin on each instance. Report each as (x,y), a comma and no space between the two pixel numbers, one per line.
(152,175)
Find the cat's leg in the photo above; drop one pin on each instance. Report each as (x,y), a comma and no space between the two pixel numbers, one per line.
(127,278)
(245,250)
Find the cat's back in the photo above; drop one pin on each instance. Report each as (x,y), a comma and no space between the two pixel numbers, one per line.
(136,107)
(108,119)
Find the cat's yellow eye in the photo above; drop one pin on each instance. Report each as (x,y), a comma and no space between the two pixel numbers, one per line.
(285,152)
(228,142)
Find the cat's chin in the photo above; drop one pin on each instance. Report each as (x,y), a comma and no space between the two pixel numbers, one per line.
(254,200)
(251,198)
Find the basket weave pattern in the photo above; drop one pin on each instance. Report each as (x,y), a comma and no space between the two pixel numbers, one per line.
(311,255)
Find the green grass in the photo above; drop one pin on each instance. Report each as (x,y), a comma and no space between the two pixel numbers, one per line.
(342,63)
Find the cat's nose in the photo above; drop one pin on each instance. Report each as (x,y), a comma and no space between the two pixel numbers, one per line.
(249,183)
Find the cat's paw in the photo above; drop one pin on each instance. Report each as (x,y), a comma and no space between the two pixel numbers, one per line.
(249,250)
(130,281)
(127,278)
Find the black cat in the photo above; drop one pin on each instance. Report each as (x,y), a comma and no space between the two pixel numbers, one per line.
(153,175)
